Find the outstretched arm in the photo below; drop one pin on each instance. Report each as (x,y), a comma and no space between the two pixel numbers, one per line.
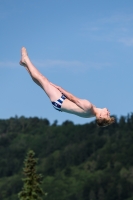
(69,96)
(83,104)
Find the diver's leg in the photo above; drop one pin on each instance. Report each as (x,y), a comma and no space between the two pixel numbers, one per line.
(35,80)
(52,92)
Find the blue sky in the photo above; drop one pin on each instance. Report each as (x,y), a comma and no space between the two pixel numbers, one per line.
(82,45)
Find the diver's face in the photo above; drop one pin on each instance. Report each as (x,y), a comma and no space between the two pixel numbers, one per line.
(105,113)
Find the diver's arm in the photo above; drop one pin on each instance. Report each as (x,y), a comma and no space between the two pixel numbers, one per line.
(82,103)
(69,96)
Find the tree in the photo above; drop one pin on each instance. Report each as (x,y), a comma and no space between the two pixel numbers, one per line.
(31,189)
(92,195)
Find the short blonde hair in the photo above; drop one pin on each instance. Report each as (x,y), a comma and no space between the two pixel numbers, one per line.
(102,122)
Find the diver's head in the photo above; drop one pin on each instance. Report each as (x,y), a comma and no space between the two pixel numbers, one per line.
(103,118)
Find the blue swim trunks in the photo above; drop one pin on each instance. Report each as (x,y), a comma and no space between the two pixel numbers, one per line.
(57,104)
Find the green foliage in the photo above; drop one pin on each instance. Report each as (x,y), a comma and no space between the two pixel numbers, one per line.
(79,162)
(31,189)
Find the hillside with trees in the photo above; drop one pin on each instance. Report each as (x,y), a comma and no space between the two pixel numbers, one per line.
(78,162)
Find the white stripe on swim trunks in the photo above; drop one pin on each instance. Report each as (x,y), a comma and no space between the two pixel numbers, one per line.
(58,102)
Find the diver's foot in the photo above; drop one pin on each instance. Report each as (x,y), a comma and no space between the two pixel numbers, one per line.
(24,54)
